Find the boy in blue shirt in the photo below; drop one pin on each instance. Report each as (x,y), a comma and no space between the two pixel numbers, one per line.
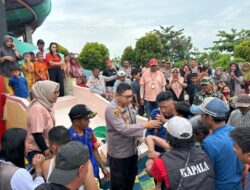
(80,131)
(164,112)
(18,83)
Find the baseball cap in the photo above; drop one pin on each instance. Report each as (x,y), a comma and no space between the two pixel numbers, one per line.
(214,107)
(68,160)
(179,128)
(206,80)
(121,73)
(81,111)
(153,62)
(243,101)
(195,109)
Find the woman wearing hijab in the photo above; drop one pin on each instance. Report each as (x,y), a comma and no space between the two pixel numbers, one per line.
(246,76)
(75,68)
(177,85)
(55,63)
(41,118)
(13,174)
(9,57)
(235,78)
(218,75)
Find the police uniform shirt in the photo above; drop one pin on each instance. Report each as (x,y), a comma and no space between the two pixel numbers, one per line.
(122,130)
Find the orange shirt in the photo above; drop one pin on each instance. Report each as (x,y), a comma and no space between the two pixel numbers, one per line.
(41,68)
(55,58)
(153,84)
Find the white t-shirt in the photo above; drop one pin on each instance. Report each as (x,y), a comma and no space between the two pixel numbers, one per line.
(23,180)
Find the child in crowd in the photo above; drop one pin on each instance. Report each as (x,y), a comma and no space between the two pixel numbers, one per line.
(66,66)
(18,83)
(82,81)
(193,88)
(40,67)
(32,57)
(81,132)
(28,70)
(136,75)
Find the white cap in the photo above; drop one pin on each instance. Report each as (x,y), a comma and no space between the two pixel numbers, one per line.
(121,73)
(179,128)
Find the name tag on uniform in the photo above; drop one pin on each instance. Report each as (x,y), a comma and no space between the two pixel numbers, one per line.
(152,85)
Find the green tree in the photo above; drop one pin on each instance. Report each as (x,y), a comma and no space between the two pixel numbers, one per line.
(147,47)
(128,54)
(61,49)
(175,44)
(93,54)
(228,40)
(243,50)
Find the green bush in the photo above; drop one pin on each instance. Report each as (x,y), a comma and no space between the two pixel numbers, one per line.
(93,55)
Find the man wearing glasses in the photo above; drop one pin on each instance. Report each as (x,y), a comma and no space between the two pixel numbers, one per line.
(122,132)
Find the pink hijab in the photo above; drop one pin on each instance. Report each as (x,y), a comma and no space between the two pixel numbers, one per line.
(175,86)
(75,68)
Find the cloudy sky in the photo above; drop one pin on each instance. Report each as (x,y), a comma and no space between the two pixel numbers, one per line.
(119,23)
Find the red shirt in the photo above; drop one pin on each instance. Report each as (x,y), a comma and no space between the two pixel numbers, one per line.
(159,172)
(53,58)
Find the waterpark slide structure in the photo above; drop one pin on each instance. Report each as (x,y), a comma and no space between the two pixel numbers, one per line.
(23,13)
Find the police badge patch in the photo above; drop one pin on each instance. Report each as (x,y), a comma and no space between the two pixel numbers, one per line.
(117,112)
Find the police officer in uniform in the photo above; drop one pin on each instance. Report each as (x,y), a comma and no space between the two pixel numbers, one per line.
(122,132)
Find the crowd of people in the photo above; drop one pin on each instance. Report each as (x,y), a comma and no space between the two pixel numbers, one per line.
(197,129)
(38,65)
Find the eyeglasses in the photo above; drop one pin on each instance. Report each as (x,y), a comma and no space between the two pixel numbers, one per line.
(57,93)
(127,97)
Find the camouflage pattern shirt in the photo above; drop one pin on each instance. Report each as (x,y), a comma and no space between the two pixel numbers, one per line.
(200,96)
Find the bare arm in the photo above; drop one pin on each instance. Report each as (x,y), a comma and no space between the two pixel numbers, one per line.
(142,91)
(56,63)
(154,140)
(90,183)
(106,79)
(136,100)
(101,164)
(47,72)
(38,74)
(163,88)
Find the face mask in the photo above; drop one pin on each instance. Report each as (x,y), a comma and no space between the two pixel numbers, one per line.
(225,93)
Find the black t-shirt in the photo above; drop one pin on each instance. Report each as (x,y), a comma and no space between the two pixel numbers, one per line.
(109,73)
(51,186)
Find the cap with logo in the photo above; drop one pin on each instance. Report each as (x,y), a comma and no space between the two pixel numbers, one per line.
(153,62)
(206,80)
(81,111)
(179,128)
(68,160)
(243,101)
(121,73)
(214,107)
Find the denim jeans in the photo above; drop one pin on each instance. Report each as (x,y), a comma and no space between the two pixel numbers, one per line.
(150,106)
